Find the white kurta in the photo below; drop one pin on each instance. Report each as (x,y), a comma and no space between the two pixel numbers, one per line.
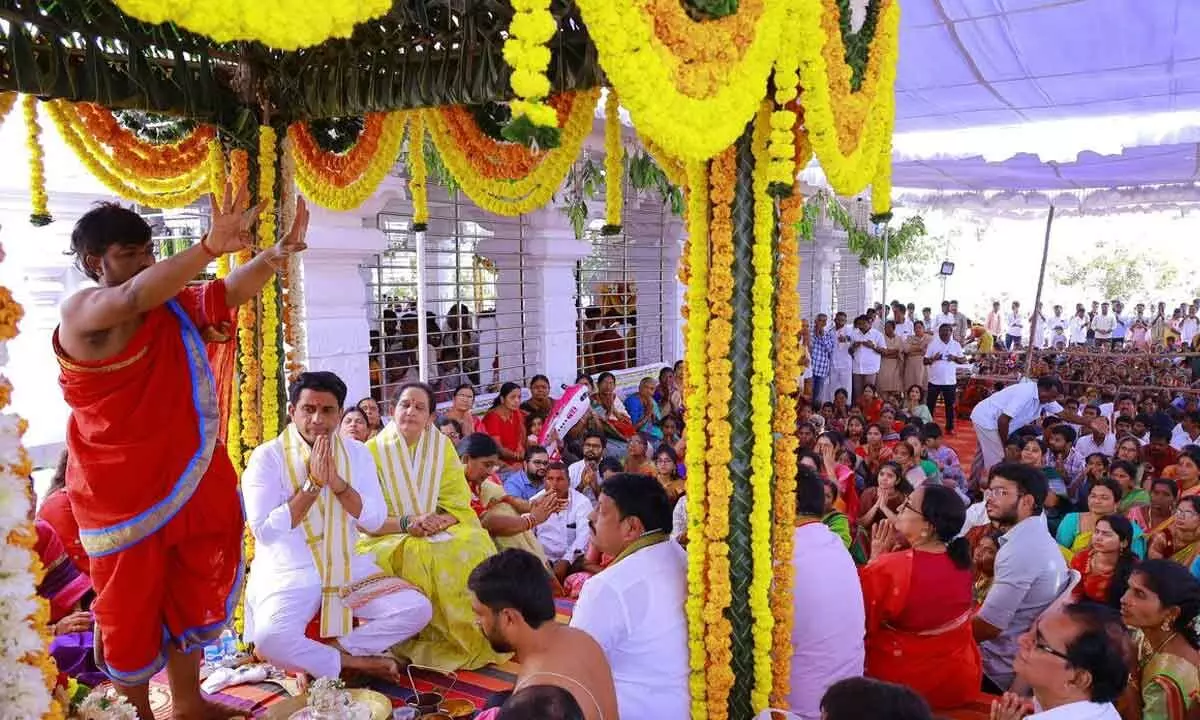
(635,611)
(283,591)
(565,534)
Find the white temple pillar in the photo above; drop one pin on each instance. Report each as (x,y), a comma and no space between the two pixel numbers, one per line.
(335,291)
(553,252)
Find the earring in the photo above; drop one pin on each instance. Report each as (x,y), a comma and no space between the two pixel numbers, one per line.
(1166,625)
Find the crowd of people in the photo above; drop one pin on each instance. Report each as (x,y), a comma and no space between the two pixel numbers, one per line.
(1058,575)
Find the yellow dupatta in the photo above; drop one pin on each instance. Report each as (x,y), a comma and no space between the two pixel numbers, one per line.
(404,469)
(328,530)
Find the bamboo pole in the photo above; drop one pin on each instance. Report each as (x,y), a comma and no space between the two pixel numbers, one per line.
(1037,301)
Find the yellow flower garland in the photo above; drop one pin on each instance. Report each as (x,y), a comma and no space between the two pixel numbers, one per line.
(782,171)
(216,188)
(361,189)
(787,376)
(761,380)
(614,164)
(91,154)
(7,101)
(40,213)
(512,198)
(869,161)
(527,52)
(283,24)
(648,71)
(719,451)
(695,260)
(418,181)
(671,166)
(267,157)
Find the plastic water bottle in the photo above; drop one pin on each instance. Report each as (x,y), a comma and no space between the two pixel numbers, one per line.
(212,654)
(228,645)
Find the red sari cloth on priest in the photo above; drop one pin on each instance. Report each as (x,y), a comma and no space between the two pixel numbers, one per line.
(152,487)
(56,511)
(912,639)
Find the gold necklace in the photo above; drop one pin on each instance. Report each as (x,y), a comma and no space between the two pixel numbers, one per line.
(1146,661)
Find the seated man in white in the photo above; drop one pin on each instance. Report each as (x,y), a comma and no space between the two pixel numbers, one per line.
(307,493)
(635,608)
(566,533)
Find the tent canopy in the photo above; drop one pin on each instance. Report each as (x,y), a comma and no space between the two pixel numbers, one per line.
(1041,68)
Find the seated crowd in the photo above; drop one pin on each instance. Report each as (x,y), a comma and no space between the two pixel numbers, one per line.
(1061,583)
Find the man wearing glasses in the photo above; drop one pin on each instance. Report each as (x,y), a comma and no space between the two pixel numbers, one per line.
(1030,569)
(1074,658)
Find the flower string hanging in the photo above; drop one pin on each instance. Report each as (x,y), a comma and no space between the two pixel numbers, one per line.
(40,214)
(614,165)
(527,52)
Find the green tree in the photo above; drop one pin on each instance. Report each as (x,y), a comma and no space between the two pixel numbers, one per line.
(1117,274)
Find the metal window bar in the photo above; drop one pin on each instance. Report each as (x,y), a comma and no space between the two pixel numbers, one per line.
(477,308)
(624,291)
(173,231)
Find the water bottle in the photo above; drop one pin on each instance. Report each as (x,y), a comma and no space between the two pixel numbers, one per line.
(212,654)
(228,645)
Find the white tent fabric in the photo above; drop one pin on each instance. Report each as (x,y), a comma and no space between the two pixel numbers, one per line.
(1064,86)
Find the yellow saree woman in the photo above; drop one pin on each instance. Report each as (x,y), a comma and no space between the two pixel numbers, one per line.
(419,479)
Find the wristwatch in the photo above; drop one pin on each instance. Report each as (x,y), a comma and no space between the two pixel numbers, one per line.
(311,487)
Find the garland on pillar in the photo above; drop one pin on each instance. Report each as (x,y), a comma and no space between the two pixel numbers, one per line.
(694,266)
(40,211)
(239,168)
(720,675)
(761,383)
(269,399)
(787,386)
(614,162)
(418,171)
(289,278)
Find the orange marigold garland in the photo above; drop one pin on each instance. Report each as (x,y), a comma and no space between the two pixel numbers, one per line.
(345,181)
(141,159)
(719,454)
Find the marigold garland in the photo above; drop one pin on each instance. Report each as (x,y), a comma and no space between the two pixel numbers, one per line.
(8,100)
(527,52)
(143,160)
(338,169)
(850,132)
(761,381)
(692,85)
(95,157)
(614,165)
(495,159)
(671,166)
(320,183)
(269,402)
(283,24)
(418,182)
(787,375)
(511,198)
(782,171)
(695,260)
(39,202)
(239,170)
(289,276)
(719,452)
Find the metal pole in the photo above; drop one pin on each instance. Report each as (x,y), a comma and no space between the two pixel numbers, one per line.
(422,329)
(1033,325)
(886,234)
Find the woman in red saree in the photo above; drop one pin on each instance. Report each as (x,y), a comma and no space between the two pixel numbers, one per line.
(919,602)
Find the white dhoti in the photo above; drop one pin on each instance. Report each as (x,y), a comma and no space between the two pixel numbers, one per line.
(277,618)
(990,447)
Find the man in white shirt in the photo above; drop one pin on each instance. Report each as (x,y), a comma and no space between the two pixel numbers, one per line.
(585,474)
(943,356)
(565,534)
(944,317)
(1102,326)
(1016,328)
(828,621)
(1074,658)
(1078,327)
(904,326)
(865,345)
(1098,440)
(1038,337)
(1013,408)
(841,362)
(1187,432)
(1190,326)
(635,608)
(1057,327)
(307,493)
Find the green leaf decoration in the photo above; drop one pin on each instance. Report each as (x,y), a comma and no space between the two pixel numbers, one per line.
(645,174)
(858,44)
(336,135)
(522,130)
(154,128)
(711,9)
(491,118)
